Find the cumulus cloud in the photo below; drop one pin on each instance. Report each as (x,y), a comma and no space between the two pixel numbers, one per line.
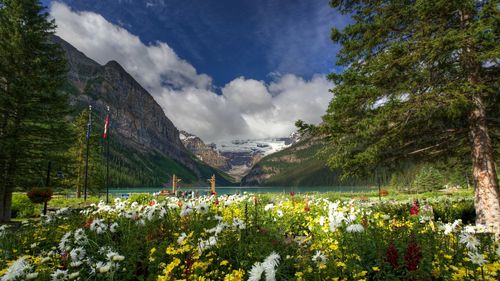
(247,108)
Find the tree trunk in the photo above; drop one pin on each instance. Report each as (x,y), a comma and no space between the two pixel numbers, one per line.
(5,206)
(487,199)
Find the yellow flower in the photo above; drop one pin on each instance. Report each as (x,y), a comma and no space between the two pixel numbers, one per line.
(362,273)
(299,275)
(151,254)
(224,262)
(236,275)
(168,269)
(375,268)
(459,275)
(334,246)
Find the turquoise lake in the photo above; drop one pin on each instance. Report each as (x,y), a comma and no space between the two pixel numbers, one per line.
(250,189)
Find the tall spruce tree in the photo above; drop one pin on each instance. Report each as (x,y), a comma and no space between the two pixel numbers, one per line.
(77,152)
(33,130)
(421,82)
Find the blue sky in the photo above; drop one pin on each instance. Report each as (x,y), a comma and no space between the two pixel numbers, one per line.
(220,69)
(231,38)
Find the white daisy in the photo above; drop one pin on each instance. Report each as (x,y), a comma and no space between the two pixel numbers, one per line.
(75,263)
(355,228)
(268,207)
(469,240)
(239,224)
(77,254)
(59,275)
(16,270)
(279,213)
(103,267)
(319,257)
(202,208)
(477,258)
(186,210)
(256,272)
(32,276)
(181,238)
(64,241)
(113,227)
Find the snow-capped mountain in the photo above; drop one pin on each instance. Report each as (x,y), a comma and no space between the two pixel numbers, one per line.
(235,157)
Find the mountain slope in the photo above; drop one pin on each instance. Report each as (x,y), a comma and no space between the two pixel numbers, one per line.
(297,165)
(206,153)
(146,149)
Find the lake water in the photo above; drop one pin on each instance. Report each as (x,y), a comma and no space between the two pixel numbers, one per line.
(250,189)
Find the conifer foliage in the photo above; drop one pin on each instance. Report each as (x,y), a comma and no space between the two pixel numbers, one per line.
(33,129)
(421,82)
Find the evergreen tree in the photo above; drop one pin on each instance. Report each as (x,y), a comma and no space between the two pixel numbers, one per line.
(33,129)
(421,82)
(78,153)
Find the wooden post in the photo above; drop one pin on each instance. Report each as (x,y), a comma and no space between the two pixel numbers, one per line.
(174,184)
(212,184)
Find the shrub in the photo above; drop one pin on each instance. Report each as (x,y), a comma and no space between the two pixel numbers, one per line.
(141,198)
(22,207)
(449,211)
(428,178)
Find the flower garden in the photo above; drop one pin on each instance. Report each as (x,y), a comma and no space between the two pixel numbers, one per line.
(251,237)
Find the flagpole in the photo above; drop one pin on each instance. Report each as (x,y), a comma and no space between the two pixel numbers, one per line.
(107,156)
(89,128)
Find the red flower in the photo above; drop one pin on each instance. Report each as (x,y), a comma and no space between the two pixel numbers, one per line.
(189,263)
(292,193)
(88,222)
(152,203)
(364,222)
(413,255)
(414,209)
(391,256)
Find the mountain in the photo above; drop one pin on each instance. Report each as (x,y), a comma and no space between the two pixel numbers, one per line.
(297,165)
(206,153)
(145,144)
(244,154)
(235,157)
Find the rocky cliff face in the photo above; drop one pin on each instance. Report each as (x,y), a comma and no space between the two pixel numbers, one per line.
(204,152)
(137,121)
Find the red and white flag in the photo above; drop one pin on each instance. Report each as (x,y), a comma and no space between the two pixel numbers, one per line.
(106,126)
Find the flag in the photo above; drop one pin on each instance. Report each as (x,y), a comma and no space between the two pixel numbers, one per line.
(89,129)
(89,124)
(106,124)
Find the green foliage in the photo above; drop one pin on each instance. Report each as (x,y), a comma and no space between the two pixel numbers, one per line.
(449,210)
(22,207)
(428,179)
(33,129)
(315,239)
(424,177)
(412,70)
(141,198)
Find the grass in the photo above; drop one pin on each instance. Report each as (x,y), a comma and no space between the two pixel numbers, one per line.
(20,202)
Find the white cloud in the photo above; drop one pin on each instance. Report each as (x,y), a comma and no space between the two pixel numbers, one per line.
(247,108)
